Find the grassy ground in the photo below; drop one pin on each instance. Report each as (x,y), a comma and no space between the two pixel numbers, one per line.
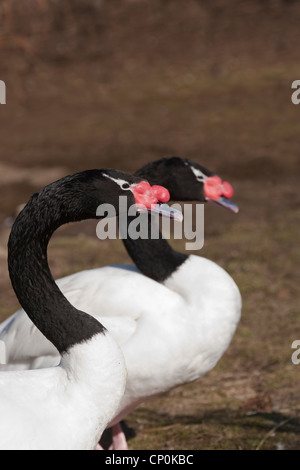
(212,83)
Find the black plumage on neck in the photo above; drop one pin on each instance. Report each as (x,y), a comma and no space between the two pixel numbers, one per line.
(155,258)
(73,198)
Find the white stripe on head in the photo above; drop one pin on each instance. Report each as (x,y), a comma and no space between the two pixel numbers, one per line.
(198,173)
(120,182)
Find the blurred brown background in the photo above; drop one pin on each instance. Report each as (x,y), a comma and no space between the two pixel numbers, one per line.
(101,83)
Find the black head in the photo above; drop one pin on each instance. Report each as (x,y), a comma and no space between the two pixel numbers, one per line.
(77,197)
(70,199)
(188,181)
(103,186)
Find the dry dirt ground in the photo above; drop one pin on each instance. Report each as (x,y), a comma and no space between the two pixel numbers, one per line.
(118,86)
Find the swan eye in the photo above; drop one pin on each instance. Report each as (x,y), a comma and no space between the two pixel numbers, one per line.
(200,177)
(125,186)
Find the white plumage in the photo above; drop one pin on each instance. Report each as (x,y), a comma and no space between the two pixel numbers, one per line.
(66,407)
(171,332)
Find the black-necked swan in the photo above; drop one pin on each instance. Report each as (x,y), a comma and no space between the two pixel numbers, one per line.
(69,406)
(179,322)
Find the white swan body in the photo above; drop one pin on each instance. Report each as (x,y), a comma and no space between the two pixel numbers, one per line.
(68,403)
(170,333)
(57,408)
(181,318)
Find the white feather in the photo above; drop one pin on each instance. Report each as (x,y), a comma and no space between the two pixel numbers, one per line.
(170,333)
(65,407)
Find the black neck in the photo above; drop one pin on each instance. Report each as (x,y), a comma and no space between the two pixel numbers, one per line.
(155,258)
(30,275)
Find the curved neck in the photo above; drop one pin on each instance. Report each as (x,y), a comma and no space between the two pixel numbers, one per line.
(30,275)
(155,258)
